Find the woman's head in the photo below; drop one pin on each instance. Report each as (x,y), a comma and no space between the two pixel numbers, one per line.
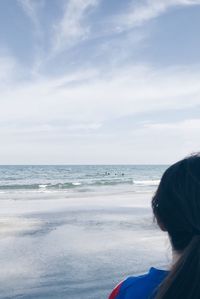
(176,207)
(176,204)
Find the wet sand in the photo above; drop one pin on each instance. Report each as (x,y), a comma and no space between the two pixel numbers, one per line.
(57,246)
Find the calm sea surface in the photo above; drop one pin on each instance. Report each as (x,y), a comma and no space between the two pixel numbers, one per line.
(71,232)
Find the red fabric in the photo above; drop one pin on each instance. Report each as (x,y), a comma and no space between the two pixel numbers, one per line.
(115,292)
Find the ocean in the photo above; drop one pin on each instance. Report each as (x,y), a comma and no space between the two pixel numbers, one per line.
(74,231)
(80,178)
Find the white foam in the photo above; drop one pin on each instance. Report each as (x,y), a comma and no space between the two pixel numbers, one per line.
(76,184)
(43,186)
(147,183)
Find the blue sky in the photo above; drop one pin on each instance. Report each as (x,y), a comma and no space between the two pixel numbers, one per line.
(98,81)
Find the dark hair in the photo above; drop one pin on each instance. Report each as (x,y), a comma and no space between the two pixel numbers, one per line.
(176,207)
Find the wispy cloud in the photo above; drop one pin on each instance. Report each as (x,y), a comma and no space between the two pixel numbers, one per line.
(8,65)
(50,116)
(30,7)
(118,94)
(138,14)
(188,125)
(53,113)
(73,26)
(10,71)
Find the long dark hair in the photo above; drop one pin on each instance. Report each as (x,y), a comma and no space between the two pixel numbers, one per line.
(176,207)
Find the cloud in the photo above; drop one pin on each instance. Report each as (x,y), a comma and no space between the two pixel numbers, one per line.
(138,14)
(75,121)
(188,125)
(168,141)
(10,72)
(79,109)
(130,91)
(8,66)
(30,8)
(72,27)
(76,26)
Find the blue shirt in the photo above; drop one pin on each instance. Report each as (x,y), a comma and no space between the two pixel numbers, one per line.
(139,287)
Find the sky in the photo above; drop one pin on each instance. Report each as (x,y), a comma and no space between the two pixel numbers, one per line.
(99,81)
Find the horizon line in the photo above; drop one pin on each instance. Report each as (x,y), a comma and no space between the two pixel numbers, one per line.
(92,164)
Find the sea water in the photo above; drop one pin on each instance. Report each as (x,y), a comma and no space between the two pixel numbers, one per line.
(80,178)
(75,231)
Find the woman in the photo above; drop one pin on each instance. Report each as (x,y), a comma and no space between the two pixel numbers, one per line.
(176,207)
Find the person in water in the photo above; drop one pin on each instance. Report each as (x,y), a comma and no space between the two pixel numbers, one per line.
(176,207)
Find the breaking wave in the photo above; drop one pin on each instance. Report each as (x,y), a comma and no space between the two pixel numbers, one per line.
(76,184)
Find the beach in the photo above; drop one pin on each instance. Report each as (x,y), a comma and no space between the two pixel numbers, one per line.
(74,245)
